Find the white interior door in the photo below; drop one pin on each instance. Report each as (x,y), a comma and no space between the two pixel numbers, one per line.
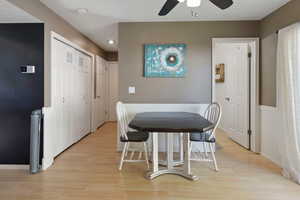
(113,70)
(233,94)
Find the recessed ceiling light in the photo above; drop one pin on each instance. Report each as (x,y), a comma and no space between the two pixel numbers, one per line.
(82,11)
(111,42)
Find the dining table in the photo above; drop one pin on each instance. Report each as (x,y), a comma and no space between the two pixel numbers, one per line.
(170,123)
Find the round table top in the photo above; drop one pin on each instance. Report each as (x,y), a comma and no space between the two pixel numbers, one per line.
(170,122)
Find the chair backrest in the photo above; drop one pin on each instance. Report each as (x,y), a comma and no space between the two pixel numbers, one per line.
(123,120)
(213,114)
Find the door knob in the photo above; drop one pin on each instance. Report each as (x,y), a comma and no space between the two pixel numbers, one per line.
(227,99)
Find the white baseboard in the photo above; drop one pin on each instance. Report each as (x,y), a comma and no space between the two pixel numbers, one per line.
(268,108)
(47,162)
(271,159)
(14,167)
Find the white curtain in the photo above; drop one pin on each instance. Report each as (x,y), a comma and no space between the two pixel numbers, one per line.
(288,77)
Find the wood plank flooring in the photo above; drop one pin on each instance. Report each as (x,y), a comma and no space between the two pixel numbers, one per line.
(88,171)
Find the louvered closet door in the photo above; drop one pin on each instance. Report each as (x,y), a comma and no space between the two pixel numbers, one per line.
(62,70)
(84,93)
(87,71)
(68,81)
(77,105)
(57,99)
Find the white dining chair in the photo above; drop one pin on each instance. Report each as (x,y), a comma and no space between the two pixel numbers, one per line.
(131,139)
(213,114)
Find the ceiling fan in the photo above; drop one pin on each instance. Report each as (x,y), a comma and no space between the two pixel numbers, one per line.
(170,4)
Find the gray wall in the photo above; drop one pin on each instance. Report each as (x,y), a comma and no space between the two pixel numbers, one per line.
(268,70)
(55,23)
(286,15)
(196,86)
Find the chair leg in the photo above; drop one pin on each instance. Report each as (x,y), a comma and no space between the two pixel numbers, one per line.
(191,147)
(213,156)
(181,146)
(126,153)
(132,154)
(146,154)
(123,155)
(205,149)
(140,155)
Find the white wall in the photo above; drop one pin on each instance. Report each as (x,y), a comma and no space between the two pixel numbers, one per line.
(271,130)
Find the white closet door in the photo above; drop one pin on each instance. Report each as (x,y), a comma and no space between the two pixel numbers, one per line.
(84,93)
(71,92)
(88,93)
(77,105)
(62,74)
(68,72)
(57,98)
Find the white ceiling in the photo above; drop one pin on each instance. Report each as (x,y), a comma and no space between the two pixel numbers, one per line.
(12,14)
(101,22)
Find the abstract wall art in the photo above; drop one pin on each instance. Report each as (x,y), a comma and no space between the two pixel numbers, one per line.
(165,60)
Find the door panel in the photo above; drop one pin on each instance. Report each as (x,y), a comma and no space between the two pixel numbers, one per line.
(62,72)
(84,78)
(233,93)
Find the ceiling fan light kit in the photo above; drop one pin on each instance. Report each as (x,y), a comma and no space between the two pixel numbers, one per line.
(171,4)
(193,3)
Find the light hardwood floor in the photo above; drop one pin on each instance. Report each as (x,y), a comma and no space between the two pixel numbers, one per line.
(88,171)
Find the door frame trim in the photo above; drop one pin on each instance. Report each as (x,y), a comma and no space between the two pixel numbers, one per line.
(255,107)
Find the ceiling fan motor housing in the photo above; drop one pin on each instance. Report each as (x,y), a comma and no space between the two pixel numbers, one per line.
(171,4)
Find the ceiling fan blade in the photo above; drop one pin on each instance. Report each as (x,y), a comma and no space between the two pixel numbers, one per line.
(223,4)
(169,5)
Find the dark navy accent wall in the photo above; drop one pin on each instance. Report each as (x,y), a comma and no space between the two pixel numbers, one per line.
(20,45)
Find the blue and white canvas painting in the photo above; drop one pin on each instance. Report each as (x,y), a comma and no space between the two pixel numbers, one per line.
(165,60)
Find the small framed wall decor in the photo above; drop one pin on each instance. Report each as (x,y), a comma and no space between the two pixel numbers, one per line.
(220,73)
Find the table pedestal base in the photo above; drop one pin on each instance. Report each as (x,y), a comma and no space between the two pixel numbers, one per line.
(164,163)
(152,175)
(170,163)
(175,163)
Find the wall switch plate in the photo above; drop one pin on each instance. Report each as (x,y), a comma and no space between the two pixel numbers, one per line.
(131,90)
(29,69)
